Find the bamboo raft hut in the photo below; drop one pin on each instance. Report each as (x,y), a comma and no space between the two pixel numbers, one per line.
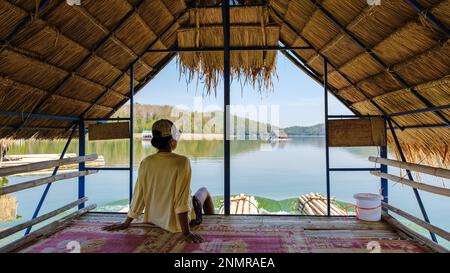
(315,204)
(66,69)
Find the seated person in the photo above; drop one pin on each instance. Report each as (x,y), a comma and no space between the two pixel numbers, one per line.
(162,190)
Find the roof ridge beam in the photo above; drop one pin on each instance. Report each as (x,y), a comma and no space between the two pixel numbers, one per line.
(374,56)
(333,66)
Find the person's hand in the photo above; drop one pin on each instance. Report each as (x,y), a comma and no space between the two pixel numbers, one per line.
(193,238)
(115,227)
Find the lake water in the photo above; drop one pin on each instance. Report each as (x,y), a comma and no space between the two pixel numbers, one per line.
(277,171)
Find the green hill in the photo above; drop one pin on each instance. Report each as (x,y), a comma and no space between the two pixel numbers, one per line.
(314,130)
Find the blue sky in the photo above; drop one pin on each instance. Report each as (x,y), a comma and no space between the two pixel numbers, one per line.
(299,98)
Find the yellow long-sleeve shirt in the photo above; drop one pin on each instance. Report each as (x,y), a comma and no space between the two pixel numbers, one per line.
(162,190)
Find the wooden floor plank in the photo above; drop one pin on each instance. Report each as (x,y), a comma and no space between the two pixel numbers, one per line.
(359,234)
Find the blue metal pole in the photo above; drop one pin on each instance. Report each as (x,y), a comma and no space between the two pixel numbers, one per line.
(30,115)
(327,147)
(226,103)
(416,192)
(384,181)
(131,130)
(81,165)
(47,187)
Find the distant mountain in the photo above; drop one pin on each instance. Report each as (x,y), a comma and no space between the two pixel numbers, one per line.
(318,129)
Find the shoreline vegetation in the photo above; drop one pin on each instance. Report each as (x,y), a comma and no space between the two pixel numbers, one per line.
(207,125)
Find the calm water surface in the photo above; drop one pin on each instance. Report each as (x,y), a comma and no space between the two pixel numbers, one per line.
(278,171)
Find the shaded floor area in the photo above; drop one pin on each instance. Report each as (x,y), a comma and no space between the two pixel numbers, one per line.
(232,234)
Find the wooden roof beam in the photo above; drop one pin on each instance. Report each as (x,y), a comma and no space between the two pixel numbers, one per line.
(375,57)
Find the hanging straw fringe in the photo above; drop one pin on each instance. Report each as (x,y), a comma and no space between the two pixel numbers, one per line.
(254,29)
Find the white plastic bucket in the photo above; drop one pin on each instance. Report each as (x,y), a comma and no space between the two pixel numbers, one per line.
(368,206)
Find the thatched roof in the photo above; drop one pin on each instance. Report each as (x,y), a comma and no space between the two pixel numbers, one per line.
(74,60)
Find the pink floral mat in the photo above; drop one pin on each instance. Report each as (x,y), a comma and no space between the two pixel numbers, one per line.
(88,237)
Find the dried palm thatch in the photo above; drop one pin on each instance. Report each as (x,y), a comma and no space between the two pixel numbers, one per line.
(250,26)
(410,47)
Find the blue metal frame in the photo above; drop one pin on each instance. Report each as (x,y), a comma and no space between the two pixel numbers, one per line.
(354,169)
(384,169)
(107,169)
(81,165)
(30,115)
(131,131)
(416,192)
(301,64)
(23,24)
(226,103)
(418,111)
(335,67)
(47,187)
(234,48)
(327,144)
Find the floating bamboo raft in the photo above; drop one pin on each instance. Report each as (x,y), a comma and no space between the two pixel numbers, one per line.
(316,204)
(242,204)
(17,160)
